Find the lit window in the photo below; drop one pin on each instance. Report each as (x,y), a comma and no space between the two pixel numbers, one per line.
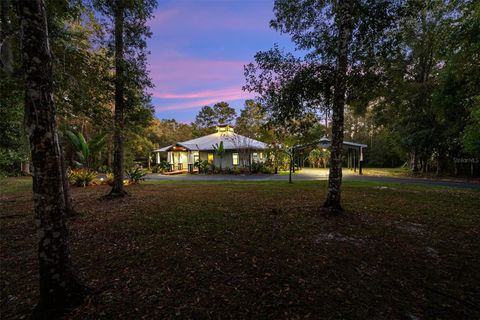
(210,157)
(261,155)
(235,159)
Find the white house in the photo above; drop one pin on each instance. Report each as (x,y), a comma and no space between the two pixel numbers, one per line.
(239,150)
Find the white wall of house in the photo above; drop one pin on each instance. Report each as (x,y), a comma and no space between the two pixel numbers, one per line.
(227,161)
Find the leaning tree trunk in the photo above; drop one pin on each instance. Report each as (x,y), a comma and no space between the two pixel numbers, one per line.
(59,286)
(344,21)
(117,189)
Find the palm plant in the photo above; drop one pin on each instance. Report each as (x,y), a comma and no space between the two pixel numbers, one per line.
(202,166)
(165,166)
(219,151)
(86,151)
(135,175)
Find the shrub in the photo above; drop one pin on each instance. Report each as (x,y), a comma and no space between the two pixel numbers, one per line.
(203,166)
(267,170)
(82,177)
(261,167)
(109,179)
(162,167)
(136,174)
(228,170)
(212,168)
(240,170)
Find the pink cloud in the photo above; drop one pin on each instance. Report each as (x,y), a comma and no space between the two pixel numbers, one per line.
(171,72)
(199,94)
(196,17)
(208,97)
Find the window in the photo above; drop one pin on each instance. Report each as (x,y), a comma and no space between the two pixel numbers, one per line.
(261,155)
(195,158)
(255,157)
(235,159)
(210,157)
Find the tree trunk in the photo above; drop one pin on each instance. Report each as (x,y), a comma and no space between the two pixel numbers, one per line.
(59,286)
(25,167)
(414,162)
(117,189)
(344,21)
(66,187)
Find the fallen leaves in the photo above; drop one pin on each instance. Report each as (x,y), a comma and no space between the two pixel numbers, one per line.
(256,250)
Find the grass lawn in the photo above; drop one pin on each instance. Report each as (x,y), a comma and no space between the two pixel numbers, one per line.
(256,250)
(406,173)
(387,172)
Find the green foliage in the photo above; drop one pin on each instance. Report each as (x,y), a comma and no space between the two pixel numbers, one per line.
(431,84)
(86,151)
(209,117)
(109,178)
(319,158)
(163,166)
(10,162)
(219,151)
(82,177)
(168,131)
(104,169)
(290,86)
(203,166)
(471,137)
(135,175)
(251,120)
(260,167)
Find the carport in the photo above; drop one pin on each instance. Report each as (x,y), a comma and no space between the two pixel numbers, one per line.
(354,152)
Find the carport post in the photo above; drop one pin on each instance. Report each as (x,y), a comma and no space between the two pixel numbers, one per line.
(354,160)
(350,165)
(290,167)
(293,161)
(360,162)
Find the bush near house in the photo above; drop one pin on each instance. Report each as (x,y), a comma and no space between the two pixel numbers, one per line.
(260,167)
(163,166)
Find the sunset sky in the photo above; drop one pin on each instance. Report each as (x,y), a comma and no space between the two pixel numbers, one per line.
(198,50)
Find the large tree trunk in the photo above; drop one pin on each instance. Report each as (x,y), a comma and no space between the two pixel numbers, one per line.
(117,189)
(59,286)
(344,21)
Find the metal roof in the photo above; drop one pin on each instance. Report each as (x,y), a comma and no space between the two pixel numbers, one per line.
(325,143)
(231,141)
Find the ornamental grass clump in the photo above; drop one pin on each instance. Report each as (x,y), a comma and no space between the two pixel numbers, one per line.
(82,177)
(136,175)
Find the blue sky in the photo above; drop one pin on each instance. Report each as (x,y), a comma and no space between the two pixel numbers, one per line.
(198,50)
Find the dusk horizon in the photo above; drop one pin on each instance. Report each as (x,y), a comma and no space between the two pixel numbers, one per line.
(198,51)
